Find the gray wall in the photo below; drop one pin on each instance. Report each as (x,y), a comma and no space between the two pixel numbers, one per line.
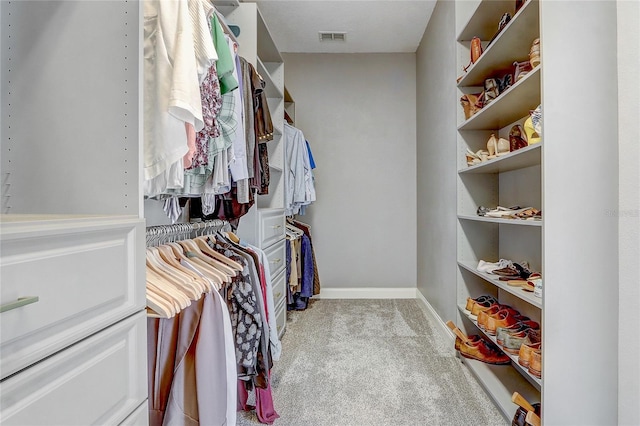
(629,211)
(358,113)
(436,156)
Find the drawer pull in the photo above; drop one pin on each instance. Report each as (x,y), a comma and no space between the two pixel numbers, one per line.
(22,301)
(277,295)
(277,226)
(276,261)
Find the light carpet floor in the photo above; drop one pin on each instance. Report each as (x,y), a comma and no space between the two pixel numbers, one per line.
(372,362)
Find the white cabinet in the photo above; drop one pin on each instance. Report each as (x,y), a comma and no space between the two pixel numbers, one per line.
(265,228)
(72,227)
(100,380)
(509,180)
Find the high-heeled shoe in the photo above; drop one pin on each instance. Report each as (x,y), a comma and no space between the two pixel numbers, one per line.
(533,126)
(517,138)
(503,147)
(534,53)
(492,146)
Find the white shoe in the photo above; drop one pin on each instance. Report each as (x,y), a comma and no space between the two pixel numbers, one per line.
(489,267)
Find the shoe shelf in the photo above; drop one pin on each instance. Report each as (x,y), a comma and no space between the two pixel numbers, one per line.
(520,159)
(514,178)
(516,291)
(516,37)
(533,380)
(510,106)
(518,222)
(499,382)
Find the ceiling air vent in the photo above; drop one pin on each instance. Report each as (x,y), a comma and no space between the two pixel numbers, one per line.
(332,36)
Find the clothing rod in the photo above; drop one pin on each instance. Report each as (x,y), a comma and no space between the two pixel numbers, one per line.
(156,235)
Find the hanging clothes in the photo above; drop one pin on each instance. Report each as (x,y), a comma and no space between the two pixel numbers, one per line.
(299,184)
(190,354)
(306,229)
(215,331)
(202,105)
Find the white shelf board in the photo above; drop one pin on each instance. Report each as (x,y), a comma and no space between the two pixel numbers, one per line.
(493,279)
(500,382)
(524,373)
(510,106)
(484,21)
(517,222)
(520,159)
(272,90)
(225,7)
(513,43)
(267,49)
(287,96)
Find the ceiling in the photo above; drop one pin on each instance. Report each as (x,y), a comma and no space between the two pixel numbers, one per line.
(371,26)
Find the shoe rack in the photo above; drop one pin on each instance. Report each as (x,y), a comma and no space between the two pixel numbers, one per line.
(509,180)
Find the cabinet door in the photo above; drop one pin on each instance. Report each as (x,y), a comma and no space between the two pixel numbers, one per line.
(100,380)
(85,274)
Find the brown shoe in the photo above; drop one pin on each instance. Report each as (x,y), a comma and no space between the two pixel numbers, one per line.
(473,340)
(526,353)
(485,352)
(479,306)
(535,365)
(504,318)
(483,315)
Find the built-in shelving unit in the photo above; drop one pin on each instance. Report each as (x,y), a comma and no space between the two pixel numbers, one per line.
(509,180)
(263,225)
(257,47)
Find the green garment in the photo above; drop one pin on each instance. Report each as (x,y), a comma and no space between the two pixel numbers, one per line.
(225,61)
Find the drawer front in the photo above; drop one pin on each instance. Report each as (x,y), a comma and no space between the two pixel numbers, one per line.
(100,380)
(140,417)
(276,255)
(278,288)
(281,318)
(85,276)
(271,227)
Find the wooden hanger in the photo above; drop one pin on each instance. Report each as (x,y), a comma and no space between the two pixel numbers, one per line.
(171,276)
(208,252)
(159,305)
(169,256)
(167,290)
(198,259)
(202,243)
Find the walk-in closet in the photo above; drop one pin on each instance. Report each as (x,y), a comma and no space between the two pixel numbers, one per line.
(228,212)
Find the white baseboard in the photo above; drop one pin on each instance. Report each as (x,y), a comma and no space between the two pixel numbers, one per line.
(367,293)
(432,312)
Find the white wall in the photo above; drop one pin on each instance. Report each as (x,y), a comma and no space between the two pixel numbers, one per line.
(358,112)
(436,153)
(629,211)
